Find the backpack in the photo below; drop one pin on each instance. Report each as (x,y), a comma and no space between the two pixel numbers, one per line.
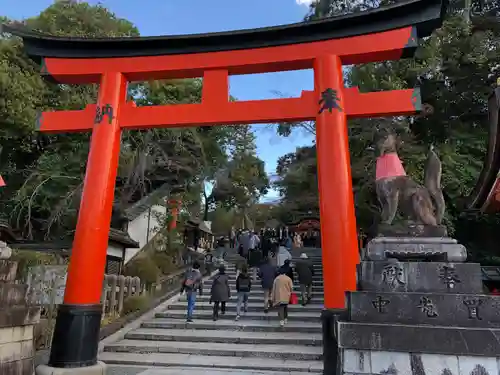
(191,278)
(244,283)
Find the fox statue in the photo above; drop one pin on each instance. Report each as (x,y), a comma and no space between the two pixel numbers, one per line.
(397,192)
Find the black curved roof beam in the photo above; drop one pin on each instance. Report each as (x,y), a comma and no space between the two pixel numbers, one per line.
(423,15)
(483,197)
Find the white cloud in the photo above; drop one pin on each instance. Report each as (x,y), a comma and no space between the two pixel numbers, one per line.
(305,2)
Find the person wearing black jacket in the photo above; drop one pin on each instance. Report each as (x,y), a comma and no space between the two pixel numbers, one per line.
(287,269)
(220,292)
(267,274)
(243,287)
(305,273)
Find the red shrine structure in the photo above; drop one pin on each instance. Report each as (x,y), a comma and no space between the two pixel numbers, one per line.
(388,33)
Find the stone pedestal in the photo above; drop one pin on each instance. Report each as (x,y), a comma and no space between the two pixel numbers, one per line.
(17,321)
(419,310)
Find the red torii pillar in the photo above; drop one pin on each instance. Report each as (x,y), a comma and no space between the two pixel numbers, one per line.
(336,201)
(76,335)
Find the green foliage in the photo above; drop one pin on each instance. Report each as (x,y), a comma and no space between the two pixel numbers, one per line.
(44,173)
(298,184)
(81,19)
(136,303)
(222,220)
(262,213)
(163,261)
(243,180)
(144,268)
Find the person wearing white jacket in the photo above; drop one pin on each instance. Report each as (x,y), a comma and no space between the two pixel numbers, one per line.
(283,254)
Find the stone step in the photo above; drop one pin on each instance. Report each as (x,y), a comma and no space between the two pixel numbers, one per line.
(228,325)
(318,276)
(228,337)
(232,285)
(272,315)
(184,370)
(259,293)
(318,269)
(252,307)
(296,352)
(232,281)
(455,341)
(256,284)
(459,310)
(219,362)
(260,299)
(315,263)
(317,281)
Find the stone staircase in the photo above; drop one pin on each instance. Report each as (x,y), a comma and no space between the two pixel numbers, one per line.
(256,342)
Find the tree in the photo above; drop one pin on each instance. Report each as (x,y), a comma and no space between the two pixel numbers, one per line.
(297,182)
(44,172)
(222,220)
(243,180)
(263,213)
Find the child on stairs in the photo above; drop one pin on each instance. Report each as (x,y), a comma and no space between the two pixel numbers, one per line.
(243,287)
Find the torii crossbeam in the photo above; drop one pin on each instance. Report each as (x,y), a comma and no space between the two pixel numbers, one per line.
(388,33)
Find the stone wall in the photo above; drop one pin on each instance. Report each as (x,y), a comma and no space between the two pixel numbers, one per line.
(17,320)
(359,362)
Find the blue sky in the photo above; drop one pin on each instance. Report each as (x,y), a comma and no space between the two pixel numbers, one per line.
(163,17)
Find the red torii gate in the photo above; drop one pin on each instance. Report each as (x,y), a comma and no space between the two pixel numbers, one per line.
(383,34)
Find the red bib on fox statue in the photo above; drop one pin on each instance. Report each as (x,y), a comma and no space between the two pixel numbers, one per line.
(389,165)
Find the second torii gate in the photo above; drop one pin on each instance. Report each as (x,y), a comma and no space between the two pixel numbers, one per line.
(383,34)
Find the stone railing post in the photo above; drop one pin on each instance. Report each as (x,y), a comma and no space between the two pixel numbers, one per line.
(113,281)
(121,293)
(104,295)
(129,284)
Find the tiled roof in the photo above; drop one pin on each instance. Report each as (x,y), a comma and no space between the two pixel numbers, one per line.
(115,235)
(146,202)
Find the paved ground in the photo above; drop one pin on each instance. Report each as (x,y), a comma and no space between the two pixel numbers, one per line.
(126,370)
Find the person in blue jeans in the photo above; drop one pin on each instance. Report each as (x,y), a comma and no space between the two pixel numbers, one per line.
(243,287)
(192,285)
